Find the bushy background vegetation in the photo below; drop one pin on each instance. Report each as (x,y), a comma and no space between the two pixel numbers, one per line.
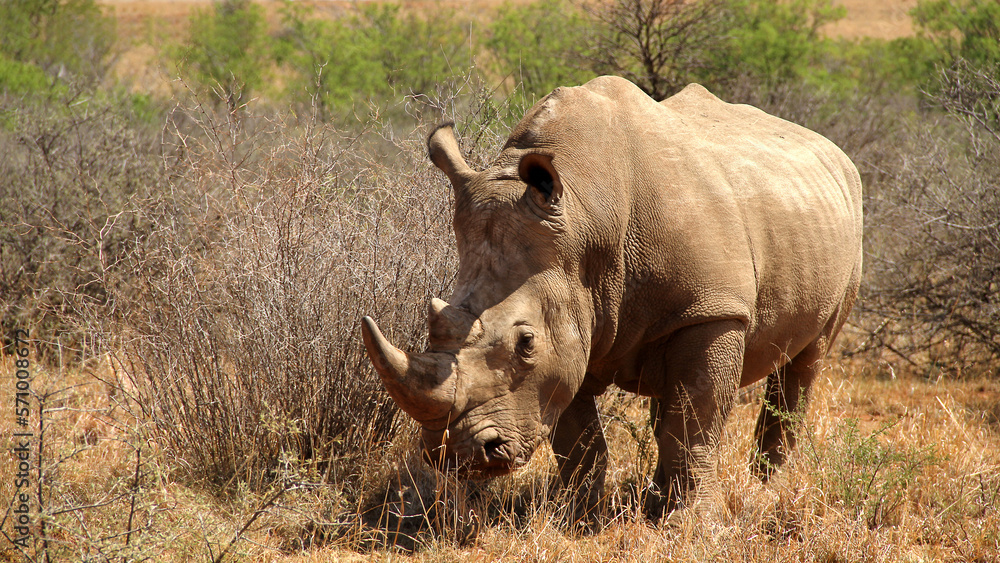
(214,249)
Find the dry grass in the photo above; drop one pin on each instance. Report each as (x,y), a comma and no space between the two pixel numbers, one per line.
(948,487)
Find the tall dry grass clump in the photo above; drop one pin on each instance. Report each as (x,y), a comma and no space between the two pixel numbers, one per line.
(239,330)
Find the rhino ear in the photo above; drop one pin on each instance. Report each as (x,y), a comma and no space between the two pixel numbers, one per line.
(537,171)
(445,154)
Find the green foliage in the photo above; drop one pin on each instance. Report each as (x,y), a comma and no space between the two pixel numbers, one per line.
(377,52)
(19,78)
(539,45)
(662,45)
(863,474)
(901,64)
(779,41)
(969,29)
(324,64)
(225,50)
(415,53)
(946,32)
(68,39)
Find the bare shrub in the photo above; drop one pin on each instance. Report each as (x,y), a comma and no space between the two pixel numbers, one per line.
(933,293)
(973,95)
(69,175)
(240,330)
(657,44)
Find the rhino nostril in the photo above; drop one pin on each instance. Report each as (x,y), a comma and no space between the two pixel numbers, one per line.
(493,449)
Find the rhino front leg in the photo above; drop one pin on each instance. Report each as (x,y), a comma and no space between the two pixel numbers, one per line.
(702,364)
(581,453)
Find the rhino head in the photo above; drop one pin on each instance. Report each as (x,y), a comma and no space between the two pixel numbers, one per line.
(510,351)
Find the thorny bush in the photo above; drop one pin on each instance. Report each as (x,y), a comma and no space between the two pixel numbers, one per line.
(932,294)
(240,328)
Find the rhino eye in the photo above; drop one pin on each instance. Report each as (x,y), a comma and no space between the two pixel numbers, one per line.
(526,343)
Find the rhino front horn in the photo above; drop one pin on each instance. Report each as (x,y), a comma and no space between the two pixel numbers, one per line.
(423,385)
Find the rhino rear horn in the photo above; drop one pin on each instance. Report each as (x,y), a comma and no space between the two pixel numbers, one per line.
(451,327)
(446,155)
(422,385)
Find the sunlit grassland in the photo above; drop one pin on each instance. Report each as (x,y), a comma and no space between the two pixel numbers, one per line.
(887,469)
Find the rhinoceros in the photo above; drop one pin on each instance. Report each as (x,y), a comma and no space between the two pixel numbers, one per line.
(678,250)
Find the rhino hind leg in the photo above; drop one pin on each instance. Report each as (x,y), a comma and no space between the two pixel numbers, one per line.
(581,454)
(784,400)
(704,364)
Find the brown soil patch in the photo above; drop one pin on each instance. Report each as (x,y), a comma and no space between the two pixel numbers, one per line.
(885,19)
(882,19)
(145,26)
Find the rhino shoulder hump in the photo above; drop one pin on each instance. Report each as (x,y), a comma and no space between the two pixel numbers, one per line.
(696,91)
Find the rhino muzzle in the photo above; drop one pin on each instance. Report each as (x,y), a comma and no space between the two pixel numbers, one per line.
(483,454)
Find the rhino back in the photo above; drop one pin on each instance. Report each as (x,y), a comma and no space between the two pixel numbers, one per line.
(694,209)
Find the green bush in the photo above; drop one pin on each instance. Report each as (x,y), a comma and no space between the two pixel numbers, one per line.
(325,66)
(416,52)
(864,475)
(967,29)
(66,39)
(19,78)
(376,53)
(660,45)
(946,31)
(778,41)
(663,45)
(226,50)
(540,45)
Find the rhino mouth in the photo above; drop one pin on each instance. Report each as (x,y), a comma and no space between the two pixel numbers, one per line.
(482,455)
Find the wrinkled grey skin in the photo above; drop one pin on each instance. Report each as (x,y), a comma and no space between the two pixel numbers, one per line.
(677,250)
